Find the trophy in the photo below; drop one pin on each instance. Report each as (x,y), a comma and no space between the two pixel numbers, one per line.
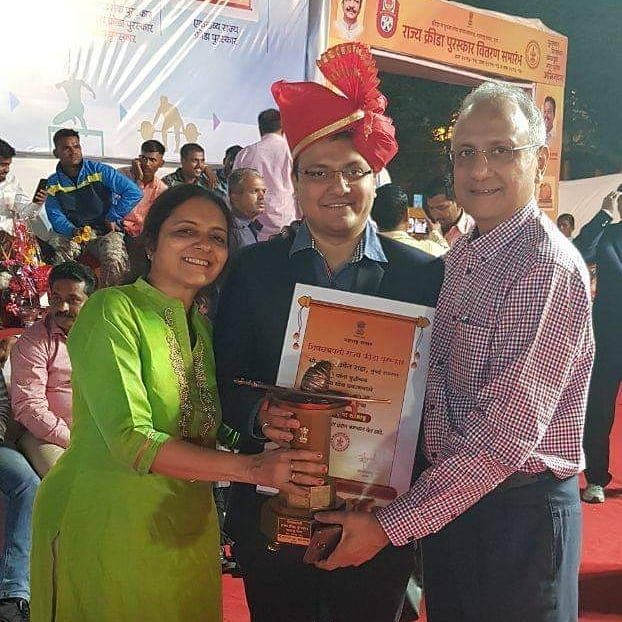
(289,518)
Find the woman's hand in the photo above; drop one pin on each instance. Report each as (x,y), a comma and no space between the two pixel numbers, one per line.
(289,470)
(276,424)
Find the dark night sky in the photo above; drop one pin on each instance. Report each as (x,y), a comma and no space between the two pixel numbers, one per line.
(594,31)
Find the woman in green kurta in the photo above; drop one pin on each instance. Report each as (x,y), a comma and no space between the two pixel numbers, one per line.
(125,527)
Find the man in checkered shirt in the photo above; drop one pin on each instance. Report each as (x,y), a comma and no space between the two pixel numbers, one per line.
(512,349)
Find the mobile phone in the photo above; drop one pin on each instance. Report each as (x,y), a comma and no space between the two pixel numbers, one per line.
(324,541)
(42,185)
(421,226)
(418,200)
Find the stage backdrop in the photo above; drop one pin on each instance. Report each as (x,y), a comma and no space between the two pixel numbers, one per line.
(124,71)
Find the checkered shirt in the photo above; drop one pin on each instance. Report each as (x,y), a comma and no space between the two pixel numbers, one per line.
(512,352)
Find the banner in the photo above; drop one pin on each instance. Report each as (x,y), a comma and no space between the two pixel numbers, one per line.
(124,71)
(377,349)
(454,34)
(550,100)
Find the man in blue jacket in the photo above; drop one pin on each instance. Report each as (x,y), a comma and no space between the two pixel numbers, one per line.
(83,192)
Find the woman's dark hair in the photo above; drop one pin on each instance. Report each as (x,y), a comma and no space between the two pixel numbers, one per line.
(170,200)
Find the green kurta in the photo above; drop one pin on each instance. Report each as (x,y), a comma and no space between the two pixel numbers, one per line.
(113,542)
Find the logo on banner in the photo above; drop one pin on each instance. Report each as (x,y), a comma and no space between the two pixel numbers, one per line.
(533,54)
(386,18)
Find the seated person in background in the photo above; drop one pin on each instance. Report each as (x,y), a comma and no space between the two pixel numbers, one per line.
(227,166)
(193,169)
(565,223)
(143,173)
(247,194)
(80,193)
(439,203)
(41,371)
(10,188)
(18,485)
(390,213)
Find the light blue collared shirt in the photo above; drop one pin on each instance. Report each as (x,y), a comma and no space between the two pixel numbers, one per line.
(368,249)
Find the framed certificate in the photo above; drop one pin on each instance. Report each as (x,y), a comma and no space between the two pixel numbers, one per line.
(377,348)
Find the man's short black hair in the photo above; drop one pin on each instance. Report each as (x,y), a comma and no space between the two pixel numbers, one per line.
(65,132)
(189,148)
(6,151)
(74,271)
(441,184)
(152,146)
(232,151)
(269,121)
(569,218)
(551,101)
(390,207)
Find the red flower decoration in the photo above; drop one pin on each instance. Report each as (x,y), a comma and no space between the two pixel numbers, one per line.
(15,285)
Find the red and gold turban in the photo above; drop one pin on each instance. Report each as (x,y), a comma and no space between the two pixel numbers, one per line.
(310,111)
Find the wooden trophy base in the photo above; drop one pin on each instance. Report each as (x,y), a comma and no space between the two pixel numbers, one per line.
(283,524)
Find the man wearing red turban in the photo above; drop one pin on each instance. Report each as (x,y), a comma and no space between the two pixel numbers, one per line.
(338,140)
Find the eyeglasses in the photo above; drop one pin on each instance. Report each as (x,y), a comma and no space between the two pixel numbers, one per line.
(495,156)
(325,176)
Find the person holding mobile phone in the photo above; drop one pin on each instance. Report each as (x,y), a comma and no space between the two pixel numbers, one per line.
(390,212)
(10,189)
(192,169)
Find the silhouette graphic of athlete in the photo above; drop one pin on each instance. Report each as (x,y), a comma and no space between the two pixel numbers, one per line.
(170,119)
(75,108)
